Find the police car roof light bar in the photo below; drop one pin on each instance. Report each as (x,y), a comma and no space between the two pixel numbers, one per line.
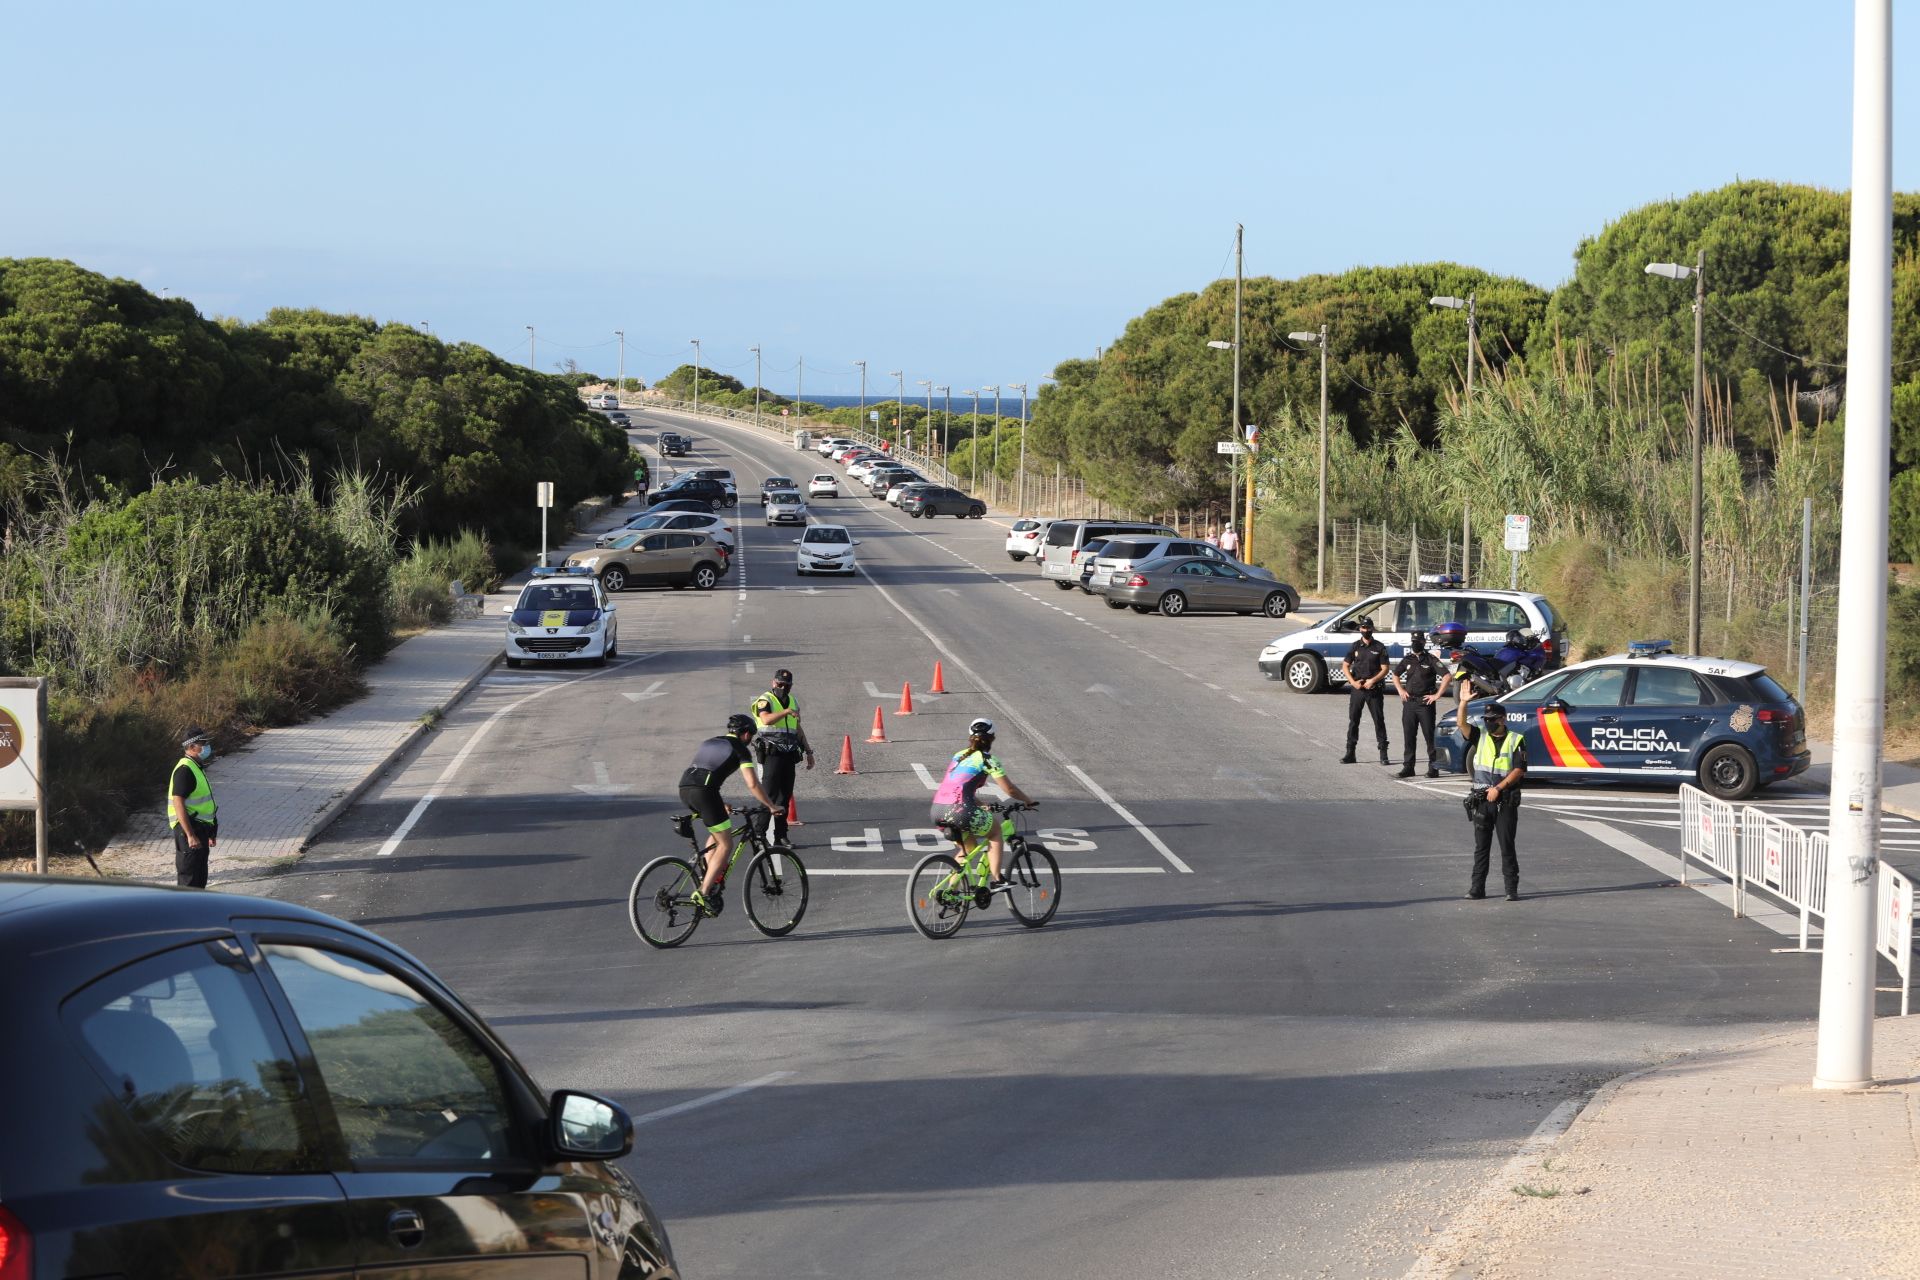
(1649,648)
(1442,580)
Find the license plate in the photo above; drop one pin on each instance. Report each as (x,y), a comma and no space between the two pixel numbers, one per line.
(1101,579)
(548,653)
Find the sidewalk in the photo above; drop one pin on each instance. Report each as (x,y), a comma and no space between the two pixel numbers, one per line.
(1722,1164)
(288,784)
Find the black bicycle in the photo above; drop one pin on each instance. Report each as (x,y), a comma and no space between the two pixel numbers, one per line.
(661,905)
(943,888)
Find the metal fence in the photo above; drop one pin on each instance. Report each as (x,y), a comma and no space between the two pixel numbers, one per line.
(1758,852)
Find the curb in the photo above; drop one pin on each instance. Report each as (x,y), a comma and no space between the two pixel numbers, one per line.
(346,799)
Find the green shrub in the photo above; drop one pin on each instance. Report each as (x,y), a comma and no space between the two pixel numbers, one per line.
(467,557)
(282,670)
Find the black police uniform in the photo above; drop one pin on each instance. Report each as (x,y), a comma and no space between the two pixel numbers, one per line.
(1419,674)
(1366,659)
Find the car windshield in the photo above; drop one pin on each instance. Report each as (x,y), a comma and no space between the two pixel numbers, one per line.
(550,597)
(827,533)
(783,497)
(777,482)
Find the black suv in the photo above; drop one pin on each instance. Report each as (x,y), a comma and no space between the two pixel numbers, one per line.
(694,487)
(672,444)
(205,1083)
(937,500)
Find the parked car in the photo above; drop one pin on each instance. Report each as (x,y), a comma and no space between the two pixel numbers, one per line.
(658,557)
(898,489)
(238,1086)
(825,548)
(716,527)
(694,487)
(786,506)
(860,468)
(561,614)
(1085,558)
(776,482)
(899,496)
(826,445)
(676,504)
(1024,538)
(1179,585)
(1723,724)
(882,479)
(823,486)
(1123,554)
(938,500)
(1058,550)
(1309,659)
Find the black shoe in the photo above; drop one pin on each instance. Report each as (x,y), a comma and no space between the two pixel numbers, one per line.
(1433,773)
(1385,761)
(1348,759)
(1513,895)
(1474,897)
(1405,773)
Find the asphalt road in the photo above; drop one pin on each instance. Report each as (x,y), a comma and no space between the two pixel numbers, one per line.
(1264,1035)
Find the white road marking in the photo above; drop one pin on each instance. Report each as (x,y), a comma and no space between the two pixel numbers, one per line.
(453,766)
(1075,871)
(1759,910)
(708,1100)
(749,668)
(651,691)
(872,691)
(926,776)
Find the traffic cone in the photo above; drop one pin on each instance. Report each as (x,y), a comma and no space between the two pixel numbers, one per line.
(793,810)
(906,700)
(846,755)
(939,678)
(879,733)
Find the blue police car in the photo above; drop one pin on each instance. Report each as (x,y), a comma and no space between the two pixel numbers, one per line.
(1723,724)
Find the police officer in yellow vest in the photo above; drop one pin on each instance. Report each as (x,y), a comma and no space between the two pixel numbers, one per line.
(779,745)
(191,812)
(1496,762)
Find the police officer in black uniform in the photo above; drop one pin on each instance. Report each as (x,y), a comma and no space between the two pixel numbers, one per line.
(1418,680)
(1366,669)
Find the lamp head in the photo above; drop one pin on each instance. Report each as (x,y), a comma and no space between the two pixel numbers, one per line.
(1303,337)
(1449,302)
(1671,270)
(1218,345)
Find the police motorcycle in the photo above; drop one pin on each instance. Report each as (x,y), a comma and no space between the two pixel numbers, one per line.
(1521,660)
(1481,672)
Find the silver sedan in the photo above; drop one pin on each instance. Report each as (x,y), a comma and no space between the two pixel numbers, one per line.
(1192,584)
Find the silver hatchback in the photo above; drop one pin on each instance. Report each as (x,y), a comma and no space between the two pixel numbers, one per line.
(1195,584)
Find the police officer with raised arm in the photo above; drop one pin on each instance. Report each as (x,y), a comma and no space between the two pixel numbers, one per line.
(1496,762)
(1417,678)
(780,745)
(1365,667)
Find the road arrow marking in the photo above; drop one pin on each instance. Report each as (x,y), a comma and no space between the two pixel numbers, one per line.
(602,784)
(651,691)
(873,692)
(1105,689)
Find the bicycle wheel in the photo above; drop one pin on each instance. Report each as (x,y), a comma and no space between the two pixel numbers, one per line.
(660,905)
(938,896)
(776,891)
(1035,880)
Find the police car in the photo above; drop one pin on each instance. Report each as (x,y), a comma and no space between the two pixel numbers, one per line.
(1723,724)
(562,613)
(1309,659)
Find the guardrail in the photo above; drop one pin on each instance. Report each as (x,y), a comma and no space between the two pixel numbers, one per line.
(1755,850)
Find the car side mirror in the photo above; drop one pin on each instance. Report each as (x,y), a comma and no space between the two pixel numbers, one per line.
(796,542)
(506,608)
(856,542)
(1555,704)
(585,1127)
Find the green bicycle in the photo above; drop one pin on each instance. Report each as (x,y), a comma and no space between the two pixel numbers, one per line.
(943,889)
(660,904)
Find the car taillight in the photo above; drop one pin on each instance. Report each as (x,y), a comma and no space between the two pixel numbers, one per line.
(1546,646)
(16,1248)
(1137,581)
(1769,715)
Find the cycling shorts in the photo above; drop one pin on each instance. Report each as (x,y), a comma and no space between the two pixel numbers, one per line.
(971,820)
(708,807)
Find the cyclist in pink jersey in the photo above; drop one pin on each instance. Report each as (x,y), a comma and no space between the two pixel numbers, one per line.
(954,809)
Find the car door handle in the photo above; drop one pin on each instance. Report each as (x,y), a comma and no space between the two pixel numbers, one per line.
(406,1228)
(1694,719)
(1606,719)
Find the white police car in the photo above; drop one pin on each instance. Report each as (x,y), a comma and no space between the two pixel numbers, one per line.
(1723,724)
(562,613)
(1309,659)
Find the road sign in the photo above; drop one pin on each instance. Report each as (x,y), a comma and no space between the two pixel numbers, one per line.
(23,734)
(873,415)
(543,493)
(1229,446)
(1519,532)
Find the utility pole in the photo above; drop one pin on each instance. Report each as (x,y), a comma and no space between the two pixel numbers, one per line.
(696,373)
(905,435)
(1239,230)
(529,346)
(620,383)
(973,442)
(756,383)
(995,465)
(1844,1045)
(863,393)
(1699,438)
(946,426)
(928,384)
(800,385)
(1020,500)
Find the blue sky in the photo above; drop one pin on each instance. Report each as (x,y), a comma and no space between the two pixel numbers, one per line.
(969,192)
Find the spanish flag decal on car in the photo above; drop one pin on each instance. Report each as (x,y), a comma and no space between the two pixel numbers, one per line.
(1562,746)
(554,618)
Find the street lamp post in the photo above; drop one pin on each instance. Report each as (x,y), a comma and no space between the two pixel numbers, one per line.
(620,383)
(928,384)
(756,383)
(994,467)
(863,393)
(1473,333)
(1676,271)
(1020,499)
(973,441)
(901,401)
(1233,461)
(696,373)
(1320,556)
(946,427)
(529,346)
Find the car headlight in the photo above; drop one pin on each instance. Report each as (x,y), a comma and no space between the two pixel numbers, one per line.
(514,628)
(591,627)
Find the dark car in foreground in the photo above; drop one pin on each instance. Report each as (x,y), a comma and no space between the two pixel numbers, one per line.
(938,500)
(1198,584)
(221,1085)
(1720,723)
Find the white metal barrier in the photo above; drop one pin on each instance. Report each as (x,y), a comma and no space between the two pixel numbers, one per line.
(1756,850)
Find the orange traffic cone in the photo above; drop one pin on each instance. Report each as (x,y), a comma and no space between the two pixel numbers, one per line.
(846,755)
(793,810)
(879,733)
(939,678)
(906,700)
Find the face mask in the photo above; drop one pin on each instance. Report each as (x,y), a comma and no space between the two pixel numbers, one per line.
(206,753)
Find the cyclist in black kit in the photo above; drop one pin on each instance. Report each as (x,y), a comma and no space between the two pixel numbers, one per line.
(715,762)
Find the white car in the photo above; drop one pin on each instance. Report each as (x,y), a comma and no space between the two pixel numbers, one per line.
(716,527)
(826,548)
(603,402)
(899,487)
(858,470)
(823,486)
(829,443)
(561,614)
(1025,538)
(785,506)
